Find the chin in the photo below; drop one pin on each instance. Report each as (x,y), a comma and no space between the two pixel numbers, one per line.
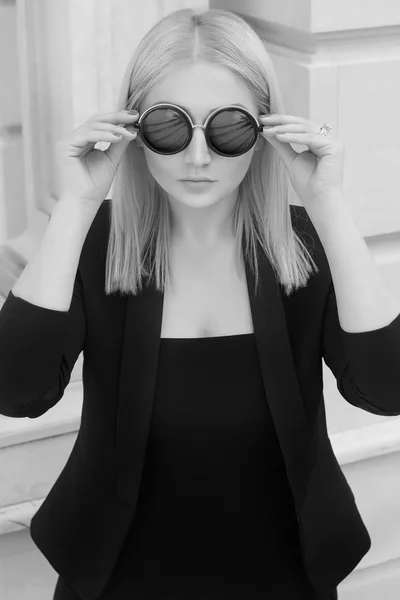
(204,199)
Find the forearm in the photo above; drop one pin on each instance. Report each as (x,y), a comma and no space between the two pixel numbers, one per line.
(48,278)
(363,299)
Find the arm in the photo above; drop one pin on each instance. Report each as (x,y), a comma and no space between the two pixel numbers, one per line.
(361,331)
(365,364)
(363,298)
(43,325)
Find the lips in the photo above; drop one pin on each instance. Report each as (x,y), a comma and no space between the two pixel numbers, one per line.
(198,180)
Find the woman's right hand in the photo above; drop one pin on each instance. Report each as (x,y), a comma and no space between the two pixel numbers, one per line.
(86,173)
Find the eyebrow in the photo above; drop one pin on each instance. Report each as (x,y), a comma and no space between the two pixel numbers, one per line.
(188,111)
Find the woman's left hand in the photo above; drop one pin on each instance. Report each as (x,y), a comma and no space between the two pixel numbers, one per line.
(314,173)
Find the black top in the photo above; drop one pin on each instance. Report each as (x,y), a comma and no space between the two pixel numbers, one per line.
(215,515)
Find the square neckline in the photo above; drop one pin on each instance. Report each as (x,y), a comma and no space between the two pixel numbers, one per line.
(212,337)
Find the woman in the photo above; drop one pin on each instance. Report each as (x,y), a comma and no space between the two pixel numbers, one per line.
(203,468)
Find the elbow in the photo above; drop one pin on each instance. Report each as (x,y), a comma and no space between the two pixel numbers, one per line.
(384,403)
(18,407)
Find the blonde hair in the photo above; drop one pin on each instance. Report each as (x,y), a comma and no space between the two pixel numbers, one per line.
(139,239)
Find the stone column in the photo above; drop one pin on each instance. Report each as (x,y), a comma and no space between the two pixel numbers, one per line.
(12,189)
(61,61)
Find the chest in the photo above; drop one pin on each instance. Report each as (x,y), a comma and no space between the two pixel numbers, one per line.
(207,296)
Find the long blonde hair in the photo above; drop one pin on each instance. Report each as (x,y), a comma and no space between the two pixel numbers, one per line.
(139,239)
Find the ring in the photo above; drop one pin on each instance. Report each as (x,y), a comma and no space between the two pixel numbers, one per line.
(325,129)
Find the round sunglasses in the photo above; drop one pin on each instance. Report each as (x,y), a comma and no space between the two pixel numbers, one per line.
(168,129)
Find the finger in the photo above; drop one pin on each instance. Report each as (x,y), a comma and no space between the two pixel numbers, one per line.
(301,137)
(115,118)
(291,128)
(308,138)
(92,136)
(80,146)
(284,119)
(319,145)
(115,151)
(117,130)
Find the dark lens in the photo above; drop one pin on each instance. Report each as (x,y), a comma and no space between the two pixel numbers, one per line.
(232,132)
(165,130)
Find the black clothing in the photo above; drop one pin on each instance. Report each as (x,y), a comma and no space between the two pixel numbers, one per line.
(215,516)
(82,525)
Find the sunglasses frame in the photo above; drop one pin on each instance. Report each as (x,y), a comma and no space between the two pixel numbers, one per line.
(256,126)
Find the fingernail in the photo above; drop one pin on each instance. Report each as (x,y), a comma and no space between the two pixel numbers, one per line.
(132,112)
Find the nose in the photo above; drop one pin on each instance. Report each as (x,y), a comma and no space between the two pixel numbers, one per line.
(198,152)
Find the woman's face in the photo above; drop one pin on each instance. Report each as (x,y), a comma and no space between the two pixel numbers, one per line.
(199,89)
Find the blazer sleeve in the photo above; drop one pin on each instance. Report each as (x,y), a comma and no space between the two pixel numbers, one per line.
(366,365)
(38,350)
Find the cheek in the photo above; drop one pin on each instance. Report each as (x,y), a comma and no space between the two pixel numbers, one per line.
(165,169)
(236,168)
(163,166)
(155,163)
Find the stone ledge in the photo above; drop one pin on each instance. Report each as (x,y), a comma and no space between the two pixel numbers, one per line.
(18,516)
(368,442)
(64,417)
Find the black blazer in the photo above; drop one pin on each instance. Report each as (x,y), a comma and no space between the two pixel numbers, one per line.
(82,523)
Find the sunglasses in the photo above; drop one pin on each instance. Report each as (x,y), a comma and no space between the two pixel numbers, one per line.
(168,129)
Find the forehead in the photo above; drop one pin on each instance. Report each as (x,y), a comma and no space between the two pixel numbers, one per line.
(199,89)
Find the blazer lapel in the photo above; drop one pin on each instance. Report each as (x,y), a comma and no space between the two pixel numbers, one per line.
(139,362)
(281,385)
